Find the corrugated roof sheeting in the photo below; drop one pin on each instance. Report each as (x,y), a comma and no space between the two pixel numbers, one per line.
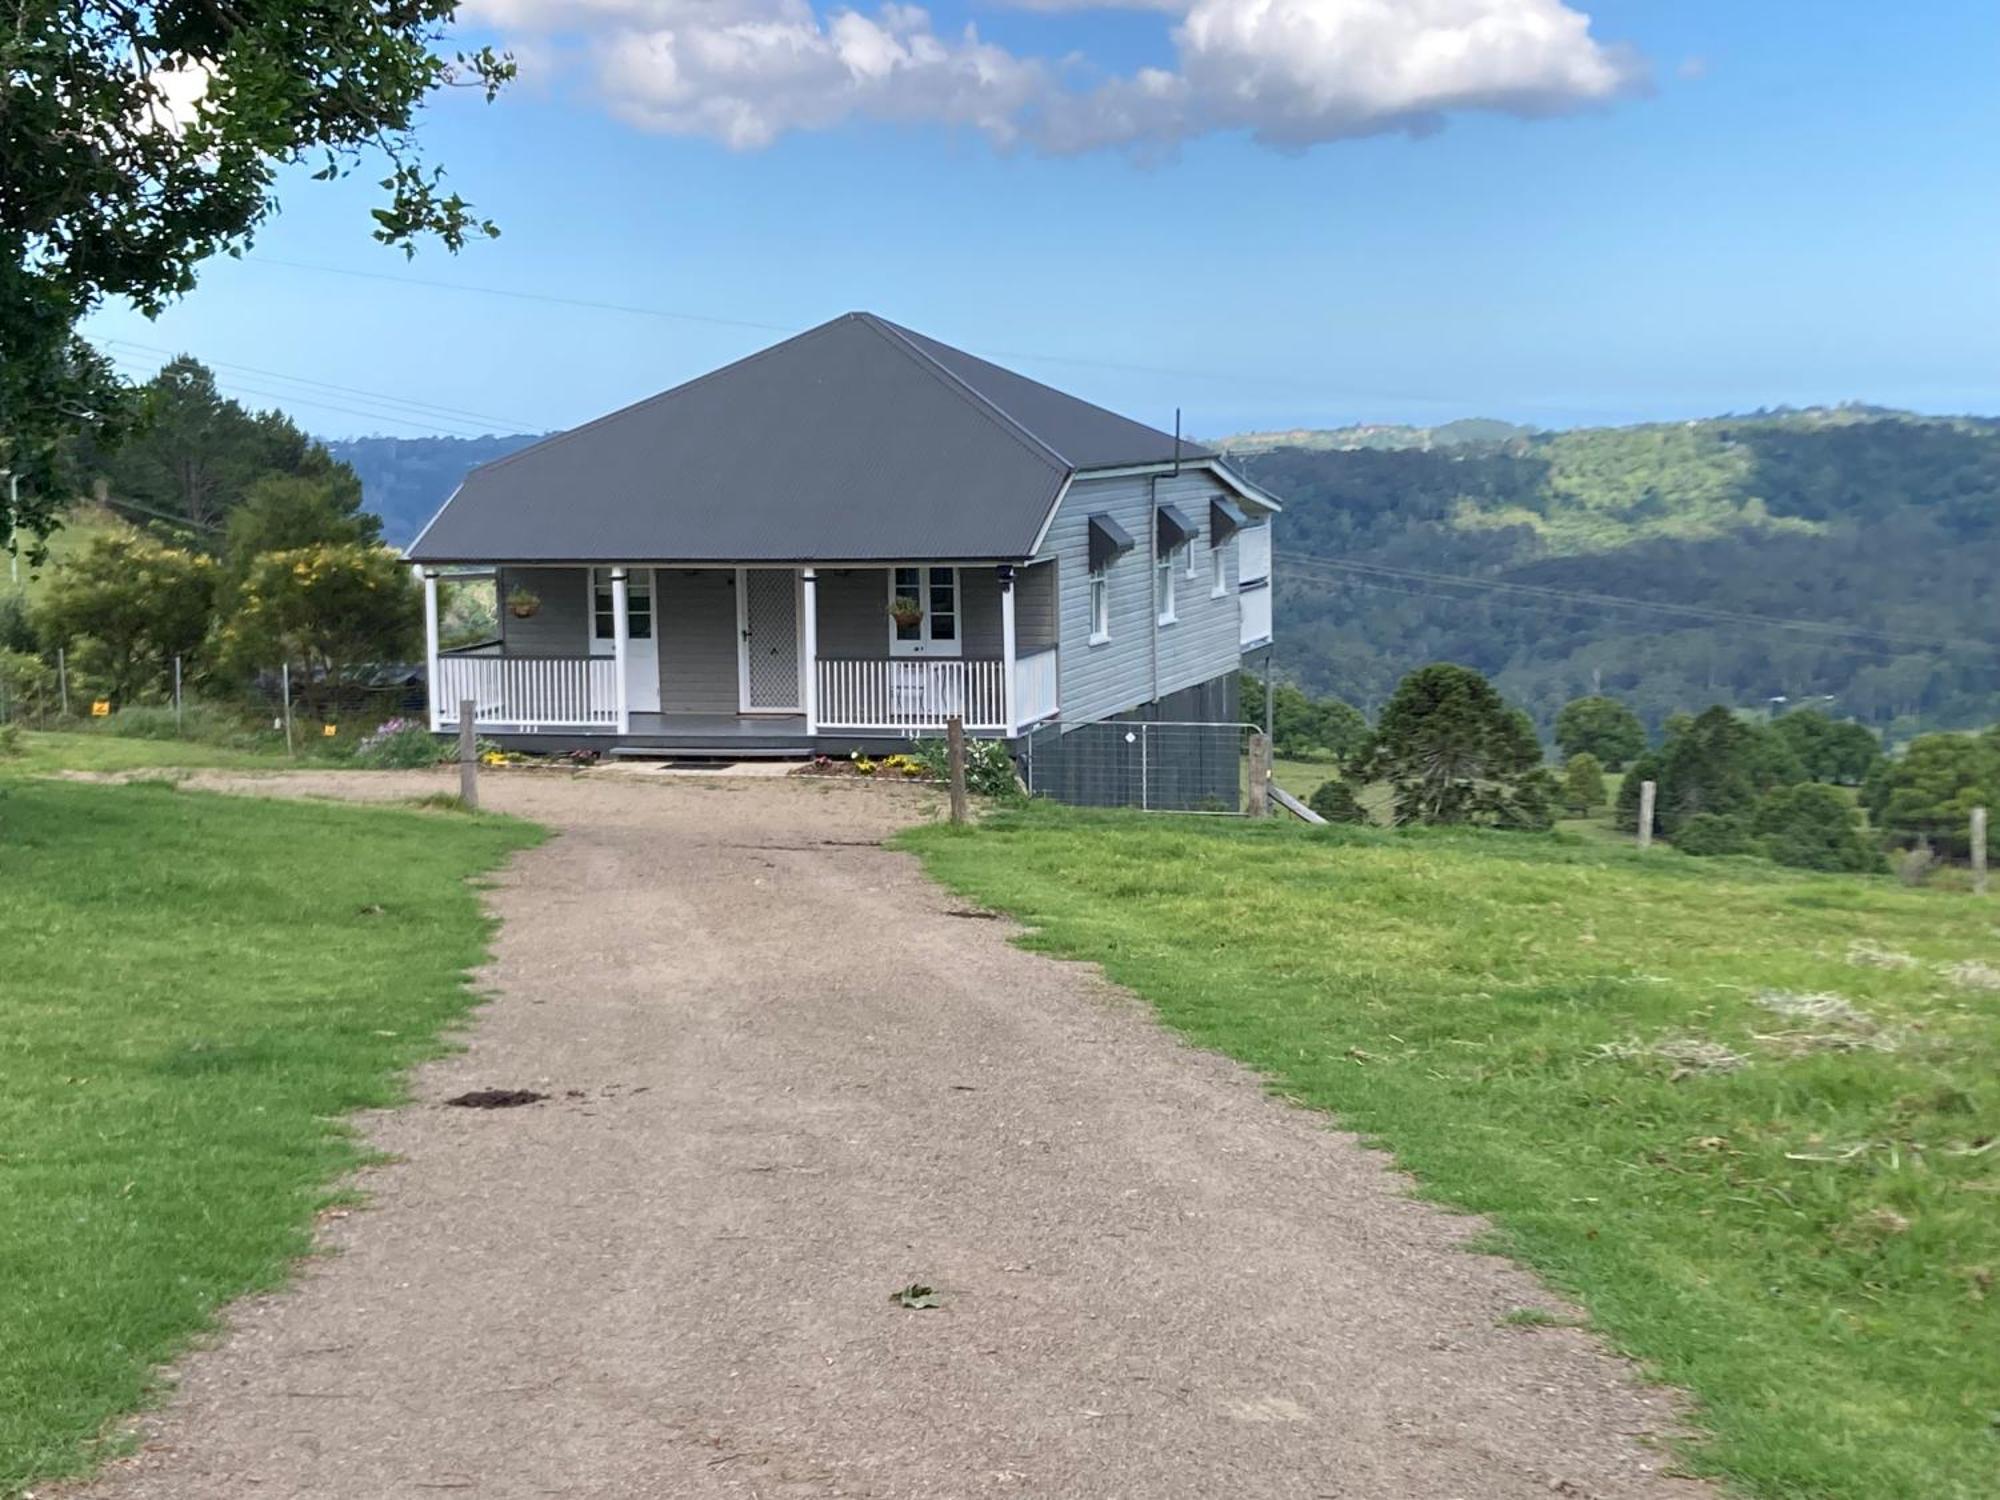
(856,441)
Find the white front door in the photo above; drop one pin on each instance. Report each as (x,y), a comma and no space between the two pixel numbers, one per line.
(768,649)
(642,650)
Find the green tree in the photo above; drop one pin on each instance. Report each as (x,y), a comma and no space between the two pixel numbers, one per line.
(1828,750)
(1602,727)
(326,610)
(128,605)
(1930,790)
(1453,751)
(283,512)
(1813,827)
(1719,764)
(114,185)
(1625,812)
(1334,800)
(1583,784)
(1706,834)
(194,454)
(1302,726)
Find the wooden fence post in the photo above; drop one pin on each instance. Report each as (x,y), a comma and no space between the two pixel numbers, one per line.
(468,754)
(1260,775)
(1648,790)
(285,688)
(62,678)
(1979,850)
(954,739)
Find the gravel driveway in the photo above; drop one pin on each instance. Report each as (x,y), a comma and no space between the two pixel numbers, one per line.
(790,1076)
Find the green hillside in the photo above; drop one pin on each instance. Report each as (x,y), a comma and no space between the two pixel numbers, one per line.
(1859,518)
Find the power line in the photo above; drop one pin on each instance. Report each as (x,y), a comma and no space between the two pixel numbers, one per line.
(636,310)
(382,397)
(236,386)
(497,291)
(1306,564)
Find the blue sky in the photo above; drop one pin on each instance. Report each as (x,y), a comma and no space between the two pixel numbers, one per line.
(1800,207)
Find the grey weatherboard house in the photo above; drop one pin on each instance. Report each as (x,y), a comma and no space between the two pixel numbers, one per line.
(730,567)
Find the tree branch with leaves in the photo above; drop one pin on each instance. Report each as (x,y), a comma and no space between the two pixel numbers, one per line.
(139,139)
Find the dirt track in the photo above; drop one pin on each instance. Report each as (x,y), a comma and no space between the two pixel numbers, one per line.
(787,1080)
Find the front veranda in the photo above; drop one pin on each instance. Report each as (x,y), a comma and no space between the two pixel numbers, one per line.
(748,657)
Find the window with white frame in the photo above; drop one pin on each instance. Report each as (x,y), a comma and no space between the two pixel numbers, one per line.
(932,628)
(1218,572)
(1100,604)
(638,605)
(1165,567)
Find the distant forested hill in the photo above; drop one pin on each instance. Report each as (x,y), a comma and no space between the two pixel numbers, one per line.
(1852,515)
(405,480)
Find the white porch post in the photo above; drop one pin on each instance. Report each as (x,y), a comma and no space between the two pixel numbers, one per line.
(431,647)
(809,585)
(1008,655)
(621,629)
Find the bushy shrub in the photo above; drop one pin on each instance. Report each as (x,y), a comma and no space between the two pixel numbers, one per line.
(1713,833)
(989,769)
(1812,827)
(1335,801)
(1583,784)
(399,745)
(26,681)
(10,741)
(17,627)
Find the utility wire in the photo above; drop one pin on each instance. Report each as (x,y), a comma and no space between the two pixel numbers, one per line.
(674,315)
(381,397)
(1315,568)
(236,386)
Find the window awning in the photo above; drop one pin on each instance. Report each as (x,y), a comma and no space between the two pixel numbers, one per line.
(1107,540)
(1225,519)
(1174,527)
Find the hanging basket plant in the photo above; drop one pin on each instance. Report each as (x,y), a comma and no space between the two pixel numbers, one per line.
(524,604)
(905,611)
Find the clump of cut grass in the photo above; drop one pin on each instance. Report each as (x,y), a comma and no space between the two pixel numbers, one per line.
(1971,974)
(1872,955)
(1687,1054)
(1828,1009)
(442,802)
(1854,1030)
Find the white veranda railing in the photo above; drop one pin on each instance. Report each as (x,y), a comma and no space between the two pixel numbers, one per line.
(912,695)
(1035,687)
(570,692)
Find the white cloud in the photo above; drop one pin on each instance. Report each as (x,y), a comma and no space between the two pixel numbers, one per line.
(1290,72)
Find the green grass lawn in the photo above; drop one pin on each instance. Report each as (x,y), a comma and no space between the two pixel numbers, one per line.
(196,989)
(69,750)
(1794,1216)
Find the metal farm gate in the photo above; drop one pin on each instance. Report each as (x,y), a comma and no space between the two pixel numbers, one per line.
(1154,765)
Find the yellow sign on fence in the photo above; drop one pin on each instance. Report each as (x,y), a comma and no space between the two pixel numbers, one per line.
(328,730)
(100,708)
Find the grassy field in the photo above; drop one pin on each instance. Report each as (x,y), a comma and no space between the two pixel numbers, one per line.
(1747,1116)
(57,750)
(197,988)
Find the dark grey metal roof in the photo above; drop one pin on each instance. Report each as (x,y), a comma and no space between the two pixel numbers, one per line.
(855,441)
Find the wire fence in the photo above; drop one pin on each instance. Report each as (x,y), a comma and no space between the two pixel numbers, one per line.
(1177,766)
(180,702)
